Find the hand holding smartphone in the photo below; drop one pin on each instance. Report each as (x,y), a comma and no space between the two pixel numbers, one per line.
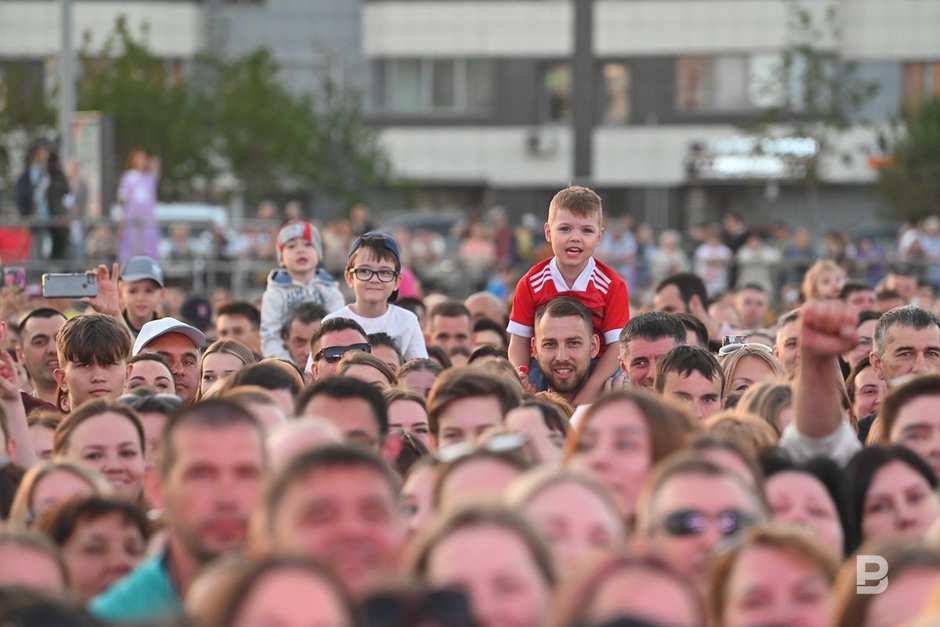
(70,285)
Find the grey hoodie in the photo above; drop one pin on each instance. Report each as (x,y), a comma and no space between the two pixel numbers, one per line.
(283,294)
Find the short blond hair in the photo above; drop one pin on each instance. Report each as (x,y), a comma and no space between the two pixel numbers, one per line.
(581,201)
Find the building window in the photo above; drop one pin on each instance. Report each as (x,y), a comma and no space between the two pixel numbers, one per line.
(713,84)
(616,95)
(921,82)
(447,86)
(557,88)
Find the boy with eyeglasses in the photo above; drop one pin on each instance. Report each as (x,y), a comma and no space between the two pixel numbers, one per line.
(373,271)
(300,279)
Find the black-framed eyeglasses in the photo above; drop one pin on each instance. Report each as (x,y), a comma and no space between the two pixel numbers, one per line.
(366,274)
(693,522)
(333,354)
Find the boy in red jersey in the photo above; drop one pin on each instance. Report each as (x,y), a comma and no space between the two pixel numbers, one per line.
(574,229)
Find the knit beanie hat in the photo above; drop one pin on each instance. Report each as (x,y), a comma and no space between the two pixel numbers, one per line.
(303,230)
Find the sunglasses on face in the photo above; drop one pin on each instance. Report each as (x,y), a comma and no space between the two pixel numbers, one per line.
(333,354)
(693,522)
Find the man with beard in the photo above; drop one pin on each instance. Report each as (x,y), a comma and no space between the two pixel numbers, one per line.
(208,478)
(337,504)
(565,344)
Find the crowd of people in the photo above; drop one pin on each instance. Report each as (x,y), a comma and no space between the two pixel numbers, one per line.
(350,451)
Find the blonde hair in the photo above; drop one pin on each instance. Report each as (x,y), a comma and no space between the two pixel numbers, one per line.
(809,289)
(750,431)
(767,399)
(729,362)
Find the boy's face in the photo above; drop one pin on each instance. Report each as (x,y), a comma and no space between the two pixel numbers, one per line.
(92,380)
(300,255)
(574,239)
(372,291)
(141,297)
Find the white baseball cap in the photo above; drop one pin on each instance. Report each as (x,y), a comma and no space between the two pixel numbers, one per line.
(156,328)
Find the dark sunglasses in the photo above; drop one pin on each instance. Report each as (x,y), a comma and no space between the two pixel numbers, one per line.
(333,354)
(692,522)
(445,607)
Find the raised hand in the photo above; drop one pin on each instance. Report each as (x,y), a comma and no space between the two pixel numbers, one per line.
(107,301)
(828,329)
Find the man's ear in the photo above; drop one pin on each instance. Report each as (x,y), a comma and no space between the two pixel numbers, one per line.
(19,356)
(876,365)
(595,345)
(548,232)
(3,330)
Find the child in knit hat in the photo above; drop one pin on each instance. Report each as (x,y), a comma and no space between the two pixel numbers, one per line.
(299,279)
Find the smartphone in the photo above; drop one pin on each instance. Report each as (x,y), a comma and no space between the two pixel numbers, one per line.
(73,285)
(14,276)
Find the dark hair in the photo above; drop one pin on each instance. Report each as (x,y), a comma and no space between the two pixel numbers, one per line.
(305,313)
(88,410)
(687,359)
(653,325)
(912,316)
(756,287)
(335,324)
(897,397)
(384,339)
(469,382)
(243,309)
(552,416)
(487,350)
(449,309)
(419,364)
(886,295)
(827,472)
(438,354)
(411,304)
(485,324)
(567,307)
(688,284)
(145,402)
(208,414)
(331,456)
(343,388)
(39,312)
(850,390)
(861,471)
(60,522)
(694,325)
(850,287)
(868,316)
(157,357)
(266,375)
(93,337)
(20,607)
(358,358)
(377,243)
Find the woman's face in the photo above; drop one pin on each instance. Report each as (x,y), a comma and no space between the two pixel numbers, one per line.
(576,522)
(55,487)
(614,448)
(771,586)
(151,375)
(799,498)
(899,501)
(546,443)
(110,444)
(409,416)
(902,599)
(274,601)
(869,390)
(217,366)
(100,551)
(749,370)
(494,567)
(417,500)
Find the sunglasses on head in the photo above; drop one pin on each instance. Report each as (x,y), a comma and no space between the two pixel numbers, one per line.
(693,522)
(333,354)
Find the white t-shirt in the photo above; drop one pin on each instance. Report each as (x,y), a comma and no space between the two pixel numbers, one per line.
(398,322)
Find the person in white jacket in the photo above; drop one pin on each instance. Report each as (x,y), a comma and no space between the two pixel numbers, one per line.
(298,280)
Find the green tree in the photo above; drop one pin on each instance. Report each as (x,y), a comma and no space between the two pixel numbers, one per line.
(912,180)
(151,107)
